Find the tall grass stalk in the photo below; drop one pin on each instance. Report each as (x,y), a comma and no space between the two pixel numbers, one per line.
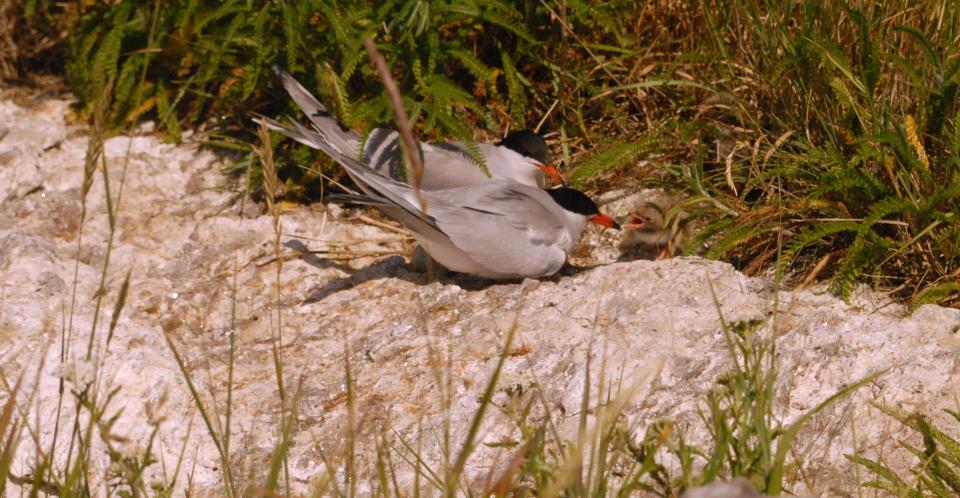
(271,185)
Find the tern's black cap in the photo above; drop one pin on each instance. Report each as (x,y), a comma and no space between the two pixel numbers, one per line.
(527,143)
(573,200)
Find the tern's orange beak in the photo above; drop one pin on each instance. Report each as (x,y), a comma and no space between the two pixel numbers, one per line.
(604,220)
(552,171)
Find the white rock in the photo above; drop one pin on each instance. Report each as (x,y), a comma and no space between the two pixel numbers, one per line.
(188,251)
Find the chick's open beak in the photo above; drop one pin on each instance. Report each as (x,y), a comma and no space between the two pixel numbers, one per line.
(636,223)
(552,171)
(604,220)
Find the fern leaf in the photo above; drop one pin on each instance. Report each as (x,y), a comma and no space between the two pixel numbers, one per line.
(416,68)
(515,94)
(860,255)
(107,57)
(706,233)
(495,13)
(474,152)
(338,22)
(848,180)
(474,66)
(740,233)
(433,48)
(166,114)
(344,109)
(124,85)
(352,59)
(262,50)
(934,294)
(810,236)
(834,57)
(615,156)
(450,124)
(885,207)
(142,108)
(446,91)
(291,31)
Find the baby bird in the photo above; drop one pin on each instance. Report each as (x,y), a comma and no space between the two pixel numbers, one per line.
(648,234)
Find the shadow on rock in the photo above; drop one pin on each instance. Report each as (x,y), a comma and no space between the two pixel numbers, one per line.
(391,267)
(638,254)
(396,267)
(312,258)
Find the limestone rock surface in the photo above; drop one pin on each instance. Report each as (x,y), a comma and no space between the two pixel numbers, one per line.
(203,268)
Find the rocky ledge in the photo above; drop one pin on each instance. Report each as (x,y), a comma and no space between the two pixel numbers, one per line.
(203,268)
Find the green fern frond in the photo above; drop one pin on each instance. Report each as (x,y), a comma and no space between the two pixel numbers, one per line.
(442,89)
(433,48)
(496,13)
(893,482)
(510,24)
(934,294)
(932,59)
(230,9)
(474,152)
(810,236)
(869,63)
(705,234)
(81,53)
(167,114)
(126,81)
(517,98)
(940,202)
(616,155)
(353,57)
(834,57)
(344,110)
(740,233)
(449,122)
(885,207)
(848,179)
(338,23)
(416,68)
(291,31)
(847,99)
(860,255)
(261,48)
(106,60)
(474,66)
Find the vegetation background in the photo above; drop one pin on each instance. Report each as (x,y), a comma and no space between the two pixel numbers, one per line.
(820,139)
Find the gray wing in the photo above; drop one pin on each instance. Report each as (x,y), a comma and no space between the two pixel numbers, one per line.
(504,226)
(373,183)
(451,166)
(381,149)
(314,139)
(343,139)
(446,165)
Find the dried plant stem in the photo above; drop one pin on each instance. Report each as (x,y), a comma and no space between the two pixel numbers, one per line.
(414,165)
(271,183)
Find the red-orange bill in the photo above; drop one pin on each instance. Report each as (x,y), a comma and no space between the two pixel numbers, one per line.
(605,220)
(552,171)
